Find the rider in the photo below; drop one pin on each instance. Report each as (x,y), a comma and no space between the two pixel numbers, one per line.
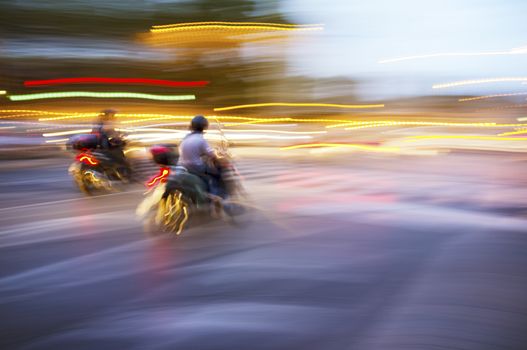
(193,148)
(104,127)
(109,139)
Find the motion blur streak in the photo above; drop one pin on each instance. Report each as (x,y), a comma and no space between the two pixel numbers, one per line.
(176,135)
(163,174)
(343,145)
(68,94)
(145,117)
(234,26)
(11,116)
(134,81)
(250,120)
(87,159)
(476,125)
(513,106)
(183,222)
(57,141)
(119,115)
(69,132)
(190,24)
(380,123)
(477,81)
(3,92)
(27,111)
(514,51)
(518,132)
(278,131)
(284,104)
(464,137)
(65,117)
(491,96)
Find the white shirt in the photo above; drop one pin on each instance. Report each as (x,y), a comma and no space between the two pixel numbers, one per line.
(191,149)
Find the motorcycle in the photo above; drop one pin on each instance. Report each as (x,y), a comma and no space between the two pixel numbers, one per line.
(94,170)
(175,196)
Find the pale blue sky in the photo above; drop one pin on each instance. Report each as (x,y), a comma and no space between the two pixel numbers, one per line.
(359,33)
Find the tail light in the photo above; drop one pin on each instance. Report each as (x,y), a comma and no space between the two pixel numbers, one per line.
(159,178)
(87,159)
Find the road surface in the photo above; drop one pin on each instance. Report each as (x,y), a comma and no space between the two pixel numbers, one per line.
(355,253)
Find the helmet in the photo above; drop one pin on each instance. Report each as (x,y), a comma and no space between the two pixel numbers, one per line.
(107,114)
(199,123)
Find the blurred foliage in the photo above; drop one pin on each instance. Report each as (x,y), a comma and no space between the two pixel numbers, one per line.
(123,18)
(235,79)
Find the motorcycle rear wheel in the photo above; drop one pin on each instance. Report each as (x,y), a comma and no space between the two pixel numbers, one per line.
(170,215)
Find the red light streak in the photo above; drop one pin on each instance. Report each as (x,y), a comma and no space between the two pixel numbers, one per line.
(96,80)
(161,177)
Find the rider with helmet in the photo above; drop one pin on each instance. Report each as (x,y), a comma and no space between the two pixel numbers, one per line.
(192,150)
(104,128)
(109,140)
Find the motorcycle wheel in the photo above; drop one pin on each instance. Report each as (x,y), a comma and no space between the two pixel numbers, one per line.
(93,182)
(170,215)
(176,212)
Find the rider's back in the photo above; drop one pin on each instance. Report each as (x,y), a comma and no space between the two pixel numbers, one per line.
(191,149)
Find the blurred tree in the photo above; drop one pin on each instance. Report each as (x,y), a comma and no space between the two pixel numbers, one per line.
(65,31)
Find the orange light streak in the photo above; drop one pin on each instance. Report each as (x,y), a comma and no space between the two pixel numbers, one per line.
(159,178)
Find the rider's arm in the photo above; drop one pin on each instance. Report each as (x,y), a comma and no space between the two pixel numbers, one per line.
(207,150)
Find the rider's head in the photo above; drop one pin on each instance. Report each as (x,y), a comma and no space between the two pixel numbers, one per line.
(107,115)
(199,123)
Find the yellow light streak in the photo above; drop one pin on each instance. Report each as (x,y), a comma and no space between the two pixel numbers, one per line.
(33,111)
(11,116)
(383,123)
(154,117)
(276,131)
(503,107)
(132,149)
(247,28)
(464,137)
(213,135)
(262,121)
(234,26)
(184,221)
(74,116)
(284,104)
(477,81)
(250,120)
(375,125)
(518,132)
(233,23)
(3,92)
(146,117)
(491,96)
(343,145)
(514,51)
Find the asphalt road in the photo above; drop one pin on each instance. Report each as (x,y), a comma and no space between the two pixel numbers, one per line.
(367,253)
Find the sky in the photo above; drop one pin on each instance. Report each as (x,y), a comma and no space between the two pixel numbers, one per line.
(357,35)
(360,33)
